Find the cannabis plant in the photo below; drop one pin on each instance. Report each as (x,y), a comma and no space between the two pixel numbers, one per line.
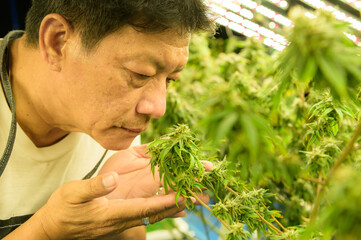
(284,128)
(178,155)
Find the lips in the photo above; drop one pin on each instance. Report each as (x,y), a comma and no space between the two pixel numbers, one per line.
(135,130)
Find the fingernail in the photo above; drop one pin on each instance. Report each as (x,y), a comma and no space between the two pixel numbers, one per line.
(109,181)
(181,200)
(193,200)
(207,164)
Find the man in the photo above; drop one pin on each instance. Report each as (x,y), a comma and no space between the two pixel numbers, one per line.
(84,77)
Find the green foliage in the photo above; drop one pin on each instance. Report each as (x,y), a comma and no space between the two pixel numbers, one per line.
(177,156)
(340,216)
(280,122)
(326,58)
(238,232)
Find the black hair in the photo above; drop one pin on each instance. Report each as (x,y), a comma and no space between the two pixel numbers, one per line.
(95,19)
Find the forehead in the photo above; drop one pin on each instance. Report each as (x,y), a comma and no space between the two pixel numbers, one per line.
(128,37)
(159,48)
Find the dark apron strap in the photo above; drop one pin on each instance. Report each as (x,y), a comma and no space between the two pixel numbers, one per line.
(9,225)
(91,173)
(4,57)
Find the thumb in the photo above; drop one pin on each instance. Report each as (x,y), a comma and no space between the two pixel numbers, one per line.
(87,190)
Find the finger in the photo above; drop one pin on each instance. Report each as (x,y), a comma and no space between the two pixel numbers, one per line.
(138,208)
(85,190)
(180,214)
(141,150)
(207,165)
(169,213)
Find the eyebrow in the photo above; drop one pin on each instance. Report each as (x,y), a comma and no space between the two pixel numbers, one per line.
(154,61)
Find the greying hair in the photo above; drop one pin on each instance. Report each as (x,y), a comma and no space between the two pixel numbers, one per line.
(95,19)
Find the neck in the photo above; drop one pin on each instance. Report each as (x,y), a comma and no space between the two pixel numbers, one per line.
(28,88)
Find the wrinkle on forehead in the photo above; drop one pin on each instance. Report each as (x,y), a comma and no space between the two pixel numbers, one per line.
(159,49)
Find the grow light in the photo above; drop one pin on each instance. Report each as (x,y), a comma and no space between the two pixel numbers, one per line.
(319,4)
(350,36)
(281,3)
(354,3)
(247,27)
(232,17)
(234,6)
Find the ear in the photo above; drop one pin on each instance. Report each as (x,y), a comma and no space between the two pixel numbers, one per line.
(54,32)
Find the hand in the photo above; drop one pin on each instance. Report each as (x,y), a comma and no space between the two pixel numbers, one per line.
(136,178)
(79,210)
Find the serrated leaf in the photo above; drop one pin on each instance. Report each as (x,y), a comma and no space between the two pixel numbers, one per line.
(309,70)
(335,129)
(251,133)
(157,142)
(225,126)
(176,198)
(334,74)
(177,150)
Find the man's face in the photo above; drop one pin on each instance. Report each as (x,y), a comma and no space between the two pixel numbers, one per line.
(113,92)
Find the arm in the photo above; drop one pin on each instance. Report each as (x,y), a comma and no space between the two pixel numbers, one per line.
(31,230)
(79,210)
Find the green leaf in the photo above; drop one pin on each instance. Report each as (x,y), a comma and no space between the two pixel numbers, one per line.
(251,133)
(157,142)
(335,129)
(311,141)
(225,126)
(334,74)
(340,114)
(309,71)
(176,198)
(163,154)
(177,150)
(327,111)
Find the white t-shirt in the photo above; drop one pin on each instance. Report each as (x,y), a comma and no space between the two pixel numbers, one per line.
(33,173)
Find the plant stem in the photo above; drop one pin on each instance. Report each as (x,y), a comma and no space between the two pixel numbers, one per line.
(259,215)
(209,223)
(208,208)
(347,150)
(318,198)
(313,180)
(273,217)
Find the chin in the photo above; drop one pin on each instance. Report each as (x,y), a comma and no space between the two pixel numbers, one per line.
(116,144)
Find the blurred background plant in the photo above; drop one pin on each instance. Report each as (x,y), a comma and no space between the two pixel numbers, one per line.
(286,122)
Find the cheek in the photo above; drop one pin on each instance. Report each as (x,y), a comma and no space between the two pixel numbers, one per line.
(111,99)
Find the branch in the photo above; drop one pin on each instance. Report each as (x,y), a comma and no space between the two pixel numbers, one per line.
(259,215)
(346,151)
(209,209)
(318,198)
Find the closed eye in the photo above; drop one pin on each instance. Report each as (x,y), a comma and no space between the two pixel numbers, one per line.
(142,76)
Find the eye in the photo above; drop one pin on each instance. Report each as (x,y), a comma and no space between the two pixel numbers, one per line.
(142,76)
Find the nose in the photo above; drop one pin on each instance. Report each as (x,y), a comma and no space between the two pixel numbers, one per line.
(153,101)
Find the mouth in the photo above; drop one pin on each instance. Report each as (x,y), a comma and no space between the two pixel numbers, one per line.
(133,131)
